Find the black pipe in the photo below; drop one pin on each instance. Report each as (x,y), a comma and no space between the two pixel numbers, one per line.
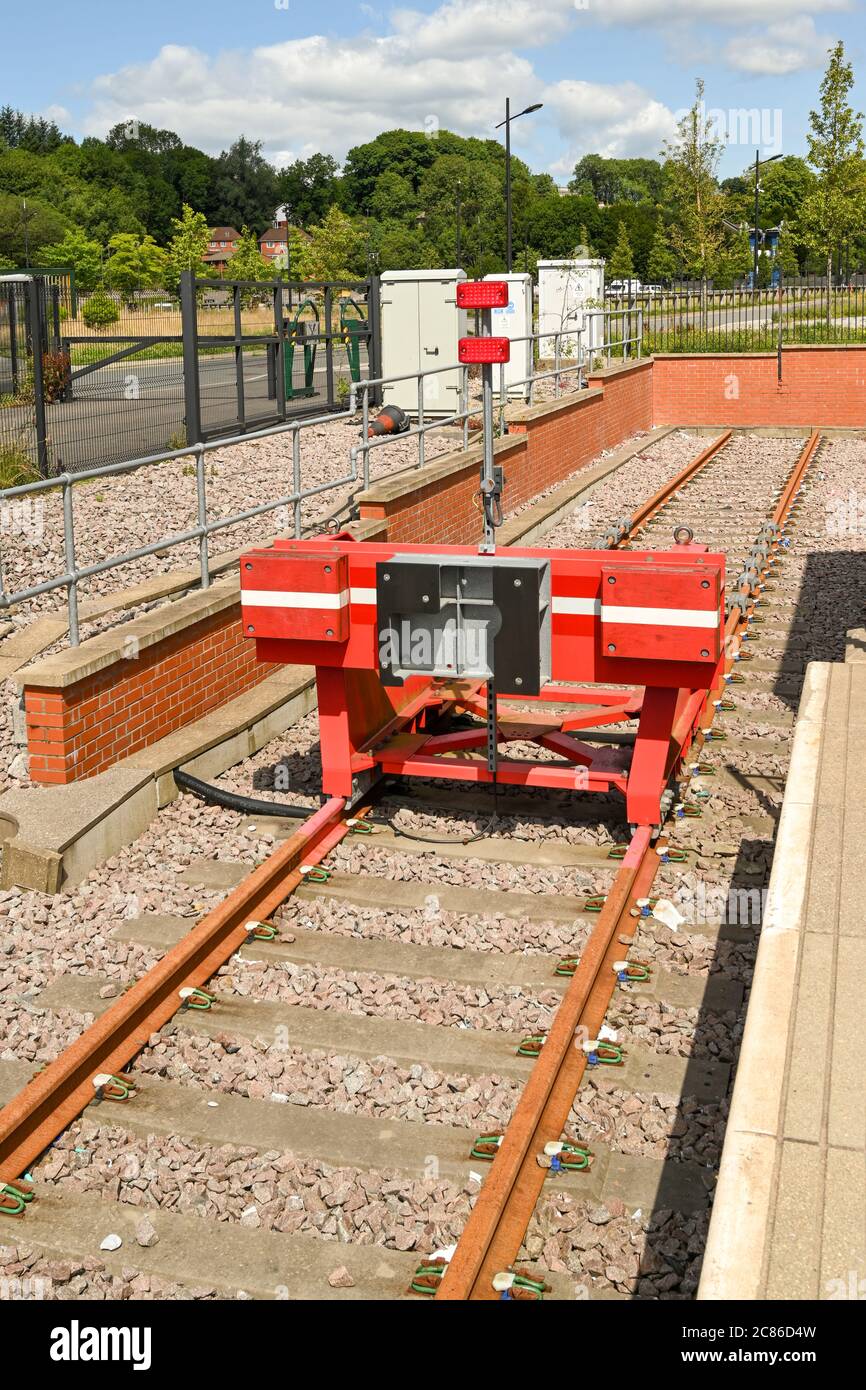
(233,801)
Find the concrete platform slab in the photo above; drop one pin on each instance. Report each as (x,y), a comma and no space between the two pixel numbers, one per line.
(789,1218)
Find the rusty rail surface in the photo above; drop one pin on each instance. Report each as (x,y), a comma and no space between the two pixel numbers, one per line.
(493,1235)
(56,1096)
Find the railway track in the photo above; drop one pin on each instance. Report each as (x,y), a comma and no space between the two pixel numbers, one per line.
(459,923)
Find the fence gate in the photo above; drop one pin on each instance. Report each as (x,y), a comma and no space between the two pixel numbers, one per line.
(32,375)
(256,353)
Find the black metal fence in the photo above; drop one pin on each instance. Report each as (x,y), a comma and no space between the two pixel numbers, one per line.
(153,371)
(700,318)
(259,352)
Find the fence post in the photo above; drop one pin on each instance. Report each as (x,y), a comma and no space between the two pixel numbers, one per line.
(279,351)
(374,340)
(191,385)
(36,334)
(329,347)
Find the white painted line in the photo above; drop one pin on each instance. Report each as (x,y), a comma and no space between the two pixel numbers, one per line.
(288,598)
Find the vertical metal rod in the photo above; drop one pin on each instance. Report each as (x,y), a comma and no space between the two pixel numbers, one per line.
(239,358)
(279,351)
(191,383)
(421,437)
(69,557)
(464,406)
(374,341)
(329,347)
(34,313)
(488,479)
(201,491)
(365,413)
(296,480)
(508,265)
(557,350)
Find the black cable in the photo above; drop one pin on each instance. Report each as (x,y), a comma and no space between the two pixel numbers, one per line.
(233,801)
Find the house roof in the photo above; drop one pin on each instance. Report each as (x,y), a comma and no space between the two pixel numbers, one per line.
(275,234)
(223,234)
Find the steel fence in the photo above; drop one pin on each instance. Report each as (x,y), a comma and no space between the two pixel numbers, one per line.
(700,318)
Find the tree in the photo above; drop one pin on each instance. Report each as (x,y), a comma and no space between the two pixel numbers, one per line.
(618,180)
(334,250)
(187,247)
(786,255)
(136,263)
(393,197)
(246,187)
(661,263)
(79,251)
(834,211)
(690,164)
(308,187)
(248,263)
(26,226)
(621,264)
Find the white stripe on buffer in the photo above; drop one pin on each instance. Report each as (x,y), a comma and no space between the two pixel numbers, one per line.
(661,617)
(645,617)
(288,598)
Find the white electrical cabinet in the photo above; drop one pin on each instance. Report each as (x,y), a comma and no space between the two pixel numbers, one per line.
(515,322)
(567,290)
(421,325)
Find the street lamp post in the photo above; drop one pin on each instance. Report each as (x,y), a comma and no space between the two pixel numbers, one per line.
(758,163)
(536,106)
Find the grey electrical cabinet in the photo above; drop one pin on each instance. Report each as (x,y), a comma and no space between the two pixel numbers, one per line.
(421,325)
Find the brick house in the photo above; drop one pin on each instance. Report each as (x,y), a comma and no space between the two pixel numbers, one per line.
(274,242)
(221,247)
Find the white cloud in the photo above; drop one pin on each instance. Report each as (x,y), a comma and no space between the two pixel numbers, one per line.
(783,48)
(617,121)
(729,12)
(450,68)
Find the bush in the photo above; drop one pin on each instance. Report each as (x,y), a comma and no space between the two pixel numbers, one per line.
(16,466)
(56,373)
(100,310)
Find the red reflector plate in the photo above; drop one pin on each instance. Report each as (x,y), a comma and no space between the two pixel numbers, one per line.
(484,350)
(482,294)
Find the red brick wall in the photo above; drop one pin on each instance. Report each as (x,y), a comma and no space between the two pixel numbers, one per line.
(558,443)
(87,727)
(820,386)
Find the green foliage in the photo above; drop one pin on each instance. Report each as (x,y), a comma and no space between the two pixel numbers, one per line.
(618,180)
(100,310)
(16,465)
(661,263)
(333,252)
(621,264)
(697,203)
(27,225)
(79,251)
(248,263)
(835,209)
(308,187)
(188,244)
(786,255)
(136,263)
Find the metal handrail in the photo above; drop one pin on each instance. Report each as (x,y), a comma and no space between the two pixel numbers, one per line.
(74,574)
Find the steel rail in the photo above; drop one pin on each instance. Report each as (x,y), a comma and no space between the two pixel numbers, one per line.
(492,1237)
(659,499)
(494,1232)
(35,1117)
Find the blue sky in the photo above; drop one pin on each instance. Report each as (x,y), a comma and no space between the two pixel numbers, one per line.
(613,74)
